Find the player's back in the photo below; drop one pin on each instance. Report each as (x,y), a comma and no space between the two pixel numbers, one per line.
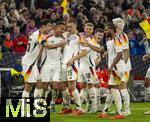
(33,48)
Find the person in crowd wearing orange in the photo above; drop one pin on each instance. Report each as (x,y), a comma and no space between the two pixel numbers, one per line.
(7,45)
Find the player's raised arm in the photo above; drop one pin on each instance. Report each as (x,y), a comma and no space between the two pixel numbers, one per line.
(53,46)
(82,53)
(95,48)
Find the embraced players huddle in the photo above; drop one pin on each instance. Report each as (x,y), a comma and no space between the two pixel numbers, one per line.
(59,57)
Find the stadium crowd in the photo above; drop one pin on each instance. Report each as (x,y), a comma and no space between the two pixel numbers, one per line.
(19,18)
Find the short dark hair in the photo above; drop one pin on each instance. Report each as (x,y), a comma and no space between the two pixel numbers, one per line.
(71,20)
(61,23)
(44,22)
(99,30)
(111,26)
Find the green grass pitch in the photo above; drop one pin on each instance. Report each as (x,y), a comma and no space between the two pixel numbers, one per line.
(137,110)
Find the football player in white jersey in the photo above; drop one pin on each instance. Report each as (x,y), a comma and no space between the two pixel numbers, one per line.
(99,36)
(147,81)
(31,58)
(119,24)
(87,75)
(51,67)
(70,73)
(116,68)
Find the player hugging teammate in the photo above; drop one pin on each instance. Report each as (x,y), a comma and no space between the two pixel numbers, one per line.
(59,57)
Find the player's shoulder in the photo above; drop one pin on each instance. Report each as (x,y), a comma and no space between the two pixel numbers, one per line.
(36,33)
(117,41)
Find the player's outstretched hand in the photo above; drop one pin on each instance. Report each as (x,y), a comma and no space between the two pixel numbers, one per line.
(69,62)
(62,43)
(84,43)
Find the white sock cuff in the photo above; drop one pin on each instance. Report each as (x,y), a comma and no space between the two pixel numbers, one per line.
(38,92)
(25,94)
(75,92)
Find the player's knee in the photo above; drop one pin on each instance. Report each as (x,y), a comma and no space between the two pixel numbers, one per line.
(55,85)
(123,85)
(96,86)
(147,82)
(39,84)
(28,87)
(45,86)
(62,87)
(72,85)
(83,85)
(90,85)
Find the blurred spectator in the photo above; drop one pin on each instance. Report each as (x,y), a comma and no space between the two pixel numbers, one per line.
(132,43)
(146,44)
(19,41)
(30,27)
(7,43)
(27,14)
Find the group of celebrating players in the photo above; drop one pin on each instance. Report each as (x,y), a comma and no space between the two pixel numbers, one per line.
(58,57)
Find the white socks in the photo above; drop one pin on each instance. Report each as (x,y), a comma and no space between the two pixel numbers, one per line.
(108,102)
(84,95)
(25,94)
(77,99)
(126,99)
(117,99)
(38,93)
(66,98)
(98,98)
(92,93)
(147,93)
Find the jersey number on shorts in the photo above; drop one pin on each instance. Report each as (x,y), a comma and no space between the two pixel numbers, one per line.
(88,75)
(70,73)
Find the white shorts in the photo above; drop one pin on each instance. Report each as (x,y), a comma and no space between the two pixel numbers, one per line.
(116,77)
(148,73)
(69,73)
(87,74)
(31,73)
(50,73)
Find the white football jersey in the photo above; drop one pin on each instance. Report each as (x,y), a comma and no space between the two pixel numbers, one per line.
(125,44)
(114,46)
(71,49)
(33,48)
(53,55)
(91,56)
